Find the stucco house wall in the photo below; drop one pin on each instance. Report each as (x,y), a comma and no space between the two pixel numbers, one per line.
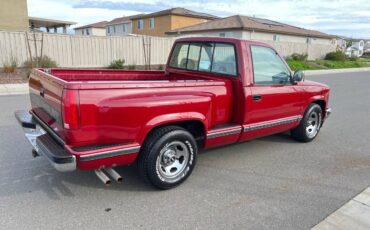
(118,29)
(286,45)
(13,15)
(90,31)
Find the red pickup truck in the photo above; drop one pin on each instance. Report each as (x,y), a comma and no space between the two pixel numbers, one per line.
(213,92)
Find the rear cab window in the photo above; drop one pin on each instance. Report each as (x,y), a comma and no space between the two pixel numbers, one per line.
(212,57)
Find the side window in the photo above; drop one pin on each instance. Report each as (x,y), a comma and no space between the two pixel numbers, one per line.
(179,55)
(268,68)
(224,59)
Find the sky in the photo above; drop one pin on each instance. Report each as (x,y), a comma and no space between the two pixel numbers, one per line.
(339,17)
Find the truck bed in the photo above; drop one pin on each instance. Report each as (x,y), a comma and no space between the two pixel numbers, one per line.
(113,104)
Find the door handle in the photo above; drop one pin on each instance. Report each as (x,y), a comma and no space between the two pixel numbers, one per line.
(257,97)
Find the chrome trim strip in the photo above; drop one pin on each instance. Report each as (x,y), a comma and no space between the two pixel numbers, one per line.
(272,123)
(224,133)
(113,153)
(48,129)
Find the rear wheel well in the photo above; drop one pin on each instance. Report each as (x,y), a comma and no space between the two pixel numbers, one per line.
(196,128)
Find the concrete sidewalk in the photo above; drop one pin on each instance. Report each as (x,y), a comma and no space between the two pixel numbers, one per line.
(353,215)
(333,71)
(13,89)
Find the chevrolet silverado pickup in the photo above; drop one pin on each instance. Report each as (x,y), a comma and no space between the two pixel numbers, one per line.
(213,92)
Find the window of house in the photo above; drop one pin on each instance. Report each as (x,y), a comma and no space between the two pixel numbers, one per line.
(140,24)
(309,40)
(226,34)
(114,29)
(126,28)
(108,29)
(209,57)
(151,23)
(276,37)
(87,32)
(83,32)
(268,68)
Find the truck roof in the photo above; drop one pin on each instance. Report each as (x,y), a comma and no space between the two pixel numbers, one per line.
(219,39)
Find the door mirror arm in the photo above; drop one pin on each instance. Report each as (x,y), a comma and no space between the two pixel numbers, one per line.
(298,76)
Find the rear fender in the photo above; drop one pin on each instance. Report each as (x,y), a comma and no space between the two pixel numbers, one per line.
(171,119)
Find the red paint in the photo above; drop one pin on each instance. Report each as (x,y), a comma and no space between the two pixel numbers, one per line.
(104,107)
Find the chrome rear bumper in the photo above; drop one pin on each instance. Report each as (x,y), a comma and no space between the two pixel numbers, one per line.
(44,144)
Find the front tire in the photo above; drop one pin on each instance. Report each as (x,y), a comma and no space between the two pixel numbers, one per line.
(310,124)
(167,157)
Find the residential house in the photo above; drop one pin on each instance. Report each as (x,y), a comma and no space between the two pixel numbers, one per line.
(342,42)
(95,29)
(367,47)
(158,23)
(14,16)
(252,28)
(356,49)
(120,26)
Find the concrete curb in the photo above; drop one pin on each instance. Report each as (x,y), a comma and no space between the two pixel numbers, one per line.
(353,215)
(14,89)
(333,71)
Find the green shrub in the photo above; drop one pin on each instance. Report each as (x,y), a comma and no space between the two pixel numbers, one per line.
(353,58)
(160,67)
(335,56)
(117,64)
(41,62)
(11,66)
(131,67)
(299,57)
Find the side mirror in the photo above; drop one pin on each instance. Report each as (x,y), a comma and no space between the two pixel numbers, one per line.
(298,76)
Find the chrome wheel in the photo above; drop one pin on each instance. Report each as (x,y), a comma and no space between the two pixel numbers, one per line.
(313,124)
(172,161)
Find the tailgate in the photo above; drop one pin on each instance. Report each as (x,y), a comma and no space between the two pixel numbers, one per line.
(46,93)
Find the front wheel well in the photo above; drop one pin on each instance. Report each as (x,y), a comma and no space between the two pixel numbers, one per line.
(322,104)
(195,127)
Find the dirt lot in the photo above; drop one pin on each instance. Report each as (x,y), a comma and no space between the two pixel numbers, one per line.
(19,76)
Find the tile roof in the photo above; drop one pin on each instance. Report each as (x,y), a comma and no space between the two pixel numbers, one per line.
(93,25)
(178,11)
(123,19)
(250,24)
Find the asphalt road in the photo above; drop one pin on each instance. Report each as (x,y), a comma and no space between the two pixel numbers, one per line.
(269,183)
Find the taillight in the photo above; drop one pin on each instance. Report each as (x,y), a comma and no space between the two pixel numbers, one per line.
(70,109)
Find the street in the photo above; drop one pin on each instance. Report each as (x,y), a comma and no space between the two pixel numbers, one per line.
(268,183)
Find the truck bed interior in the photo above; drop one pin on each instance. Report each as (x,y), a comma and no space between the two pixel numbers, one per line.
(71,75)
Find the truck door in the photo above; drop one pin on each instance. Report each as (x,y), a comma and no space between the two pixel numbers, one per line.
(273,103)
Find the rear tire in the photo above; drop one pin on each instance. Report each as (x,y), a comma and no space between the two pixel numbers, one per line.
(167,157)
(310,124)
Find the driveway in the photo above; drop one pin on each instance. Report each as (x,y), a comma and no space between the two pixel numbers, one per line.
(268,183)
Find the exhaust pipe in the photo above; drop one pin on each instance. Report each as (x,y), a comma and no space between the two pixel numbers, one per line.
(112,173)
(104,178)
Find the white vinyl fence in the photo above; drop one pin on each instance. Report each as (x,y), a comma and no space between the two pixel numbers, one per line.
(84,51)
(98,51)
